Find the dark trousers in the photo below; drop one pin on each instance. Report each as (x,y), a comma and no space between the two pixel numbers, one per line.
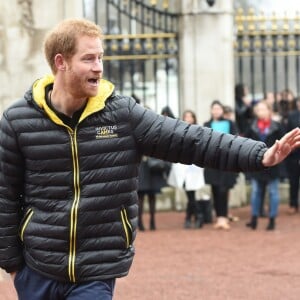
(293,170)
(152,207)
(220,197)
(191,209)
(30,285)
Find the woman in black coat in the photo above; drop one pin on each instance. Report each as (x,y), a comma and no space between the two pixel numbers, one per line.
(152,177)
(221,182)
(243,108)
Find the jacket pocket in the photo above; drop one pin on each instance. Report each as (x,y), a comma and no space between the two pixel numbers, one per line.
(127,227)
(27,217)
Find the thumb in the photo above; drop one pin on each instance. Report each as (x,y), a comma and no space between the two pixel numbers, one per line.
(270,155)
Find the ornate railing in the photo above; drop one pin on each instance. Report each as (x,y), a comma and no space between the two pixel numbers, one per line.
(141,48)
(267,50)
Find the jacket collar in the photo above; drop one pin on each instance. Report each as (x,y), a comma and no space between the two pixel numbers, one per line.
(94,104)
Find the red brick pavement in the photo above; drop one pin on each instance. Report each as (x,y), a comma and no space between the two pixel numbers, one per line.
(173,263)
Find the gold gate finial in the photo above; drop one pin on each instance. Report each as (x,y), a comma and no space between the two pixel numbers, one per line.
(297,22)
(286,25)
(239,18)
(262,22)
(166,4)
(274,21)
(251,24)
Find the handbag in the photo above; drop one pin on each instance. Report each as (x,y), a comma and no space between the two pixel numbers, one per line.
(156,165)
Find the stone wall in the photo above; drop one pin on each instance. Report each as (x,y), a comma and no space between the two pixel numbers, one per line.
(206,56)
(23,25)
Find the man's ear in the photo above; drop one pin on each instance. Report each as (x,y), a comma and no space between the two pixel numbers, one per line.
(60,62)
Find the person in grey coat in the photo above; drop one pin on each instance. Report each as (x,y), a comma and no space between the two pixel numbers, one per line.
(70,151)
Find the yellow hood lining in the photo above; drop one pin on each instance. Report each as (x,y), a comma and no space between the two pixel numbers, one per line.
(94,104)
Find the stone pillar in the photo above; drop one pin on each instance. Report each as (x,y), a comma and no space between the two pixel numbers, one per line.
(23,25)
(207,63)
(206,55)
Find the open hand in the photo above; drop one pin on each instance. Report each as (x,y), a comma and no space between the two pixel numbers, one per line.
(282,148)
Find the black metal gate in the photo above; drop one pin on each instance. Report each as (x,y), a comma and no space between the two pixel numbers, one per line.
(267,52)
(141,48)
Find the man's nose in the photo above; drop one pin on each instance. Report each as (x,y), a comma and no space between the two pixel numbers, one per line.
(98,66)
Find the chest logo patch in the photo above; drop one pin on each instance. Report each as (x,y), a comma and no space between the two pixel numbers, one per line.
(106,132)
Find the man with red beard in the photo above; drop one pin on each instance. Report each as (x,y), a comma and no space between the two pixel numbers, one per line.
(69,157)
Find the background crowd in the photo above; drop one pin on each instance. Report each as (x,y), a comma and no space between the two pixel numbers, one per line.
(265,119)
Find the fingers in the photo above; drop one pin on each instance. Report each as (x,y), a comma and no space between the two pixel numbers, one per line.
(276,147)
(270,155)
(282,148)
(285,149)
(290,136)
(295,145)
(296,138)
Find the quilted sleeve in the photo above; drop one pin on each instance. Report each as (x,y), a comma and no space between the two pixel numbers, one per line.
(176,141)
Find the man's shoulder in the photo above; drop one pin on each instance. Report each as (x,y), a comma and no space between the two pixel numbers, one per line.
(119,100)
(19,109)
(16,106)
(120,103)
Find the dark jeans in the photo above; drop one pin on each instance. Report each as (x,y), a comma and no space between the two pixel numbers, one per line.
(31,285)
(220,197)
(256,196)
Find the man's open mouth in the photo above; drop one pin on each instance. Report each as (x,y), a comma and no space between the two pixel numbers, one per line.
(94,81)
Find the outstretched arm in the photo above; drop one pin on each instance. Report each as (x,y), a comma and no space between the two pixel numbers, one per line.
(177,141)
(282,148)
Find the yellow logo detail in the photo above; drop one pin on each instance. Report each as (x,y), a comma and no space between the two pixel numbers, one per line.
(106,132)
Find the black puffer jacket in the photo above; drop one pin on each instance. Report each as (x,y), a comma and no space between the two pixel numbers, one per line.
(68,197)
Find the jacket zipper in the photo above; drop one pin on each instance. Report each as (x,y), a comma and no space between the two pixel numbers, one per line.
(27,218)
(127,226)
(74,209)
